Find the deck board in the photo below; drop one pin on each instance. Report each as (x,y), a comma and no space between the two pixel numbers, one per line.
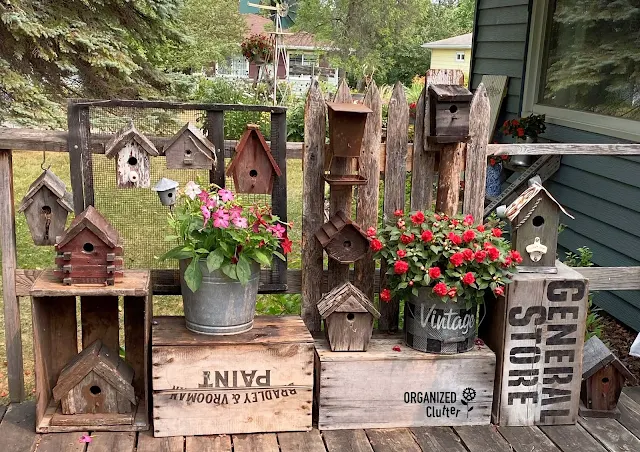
(18,428)
(147,443)
(611,434)
(572,438)
(482,438)
(390,440)
(438,438)
(629,414)
(301,441)
(346,441)
(112,441)
(526,439)
(264,442)
(214,443)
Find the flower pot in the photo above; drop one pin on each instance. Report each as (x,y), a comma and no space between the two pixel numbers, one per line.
(493,184)
(522,160)
(436,327)
(221,305)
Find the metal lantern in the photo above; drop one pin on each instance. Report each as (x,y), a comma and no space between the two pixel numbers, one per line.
(167,191)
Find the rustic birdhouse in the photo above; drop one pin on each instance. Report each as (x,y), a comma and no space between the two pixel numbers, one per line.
(97,380)
(342,239)
(167,191)
(190,149)
(449,107)
(348,318)
(132,150)
(603,377)
(90,251)
(46,206)
(534,228)
(346,128)
(253,167)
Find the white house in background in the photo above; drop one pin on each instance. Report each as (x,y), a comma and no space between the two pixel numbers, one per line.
(305,58)
(452,53)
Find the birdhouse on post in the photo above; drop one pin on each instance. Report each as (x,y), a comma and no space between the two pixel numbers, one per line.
(46,206)
(253,168)
(90,251)
(449,108)
(603,377)
(190,149)
(96,381)
(348,317)
(132,150)
(534,228)
(347,123)
(342,239)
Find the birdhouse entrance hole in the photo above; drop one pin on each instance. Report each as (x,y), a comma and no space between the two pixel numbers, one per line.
(187,152)
(95,390)
(351,316)
(169,195)
(538,221)
(453,109)
(253,173)
(87,247)
(46,210)
(132,161)
(347,244)
(605,380)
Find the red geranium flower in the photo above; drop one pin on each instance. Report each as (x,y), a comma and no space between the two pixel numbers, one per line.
(468,235)
(418,218)
(494,253)
(456,239)
(401,253)
(286,245)
(452,292)
(520,132)
(468,278)
(499,290)
(492,161)
(398,213)
(457,259)
(468,220)
(371,232)
(507,261)
(515,255)
(480,256)
(427,236)
(468,254)
(406,239)
(376,245)
(440,289)
(497,232)
(400,267)
(480,228)
(434,273)
(385,295)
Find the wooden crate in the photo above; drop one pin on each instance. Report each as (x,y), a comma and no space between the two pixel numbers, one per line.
(257,381)
(537,331)
(55,343)
(384,388)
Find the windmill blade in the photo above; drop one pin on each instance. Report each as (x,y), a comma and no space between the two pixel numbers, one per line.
(255,5)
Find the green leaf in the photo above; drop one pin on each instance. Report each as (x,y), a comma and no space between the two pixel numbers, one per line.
(414,291)
(215,259)
(261,257)
(179,252)
(230,271)
(402,285)
(243,270)
(279,255)
(193,275)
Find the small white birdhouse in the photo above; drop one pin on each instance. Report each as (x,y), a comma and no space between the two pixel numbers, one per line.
(167,190)
(132,150)
(190,149)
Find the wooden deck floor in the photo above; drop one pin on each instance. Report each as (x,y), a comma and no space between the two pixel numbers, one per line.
(589,435)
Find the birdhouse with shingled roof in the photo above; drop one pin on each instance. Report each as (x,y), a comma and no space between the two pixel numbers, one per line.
(190,149)
(96,381)
(342,239)
(90,251)
(449,108)
(46,206)
(131,150)
(253,167)
(348,317)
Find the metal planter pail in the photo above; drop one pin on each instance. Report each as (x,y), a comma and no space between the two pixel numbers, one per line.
(221,305)
(436,327)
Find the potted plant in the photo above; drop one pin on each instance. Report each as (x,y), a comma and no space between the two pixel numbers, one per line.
(257,49)
(494,171)
(222,245)
(443,268)
(526,129)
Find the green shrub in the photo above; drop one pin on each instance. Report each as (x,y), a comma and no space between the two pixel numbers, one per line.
(594,321)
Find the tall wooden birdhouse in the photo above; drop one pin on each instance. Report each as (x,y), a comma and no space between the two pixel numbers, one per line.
(342,239)
(46,205)
(603,377)
(132,150)
(449,108)
(190,149)
(253,168)
(90,251)
(534,228)
(96,381)
(348,318)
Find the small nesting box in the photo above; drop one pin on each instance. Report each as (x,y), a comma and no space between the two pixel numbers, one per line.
(96,381)
(346,128)
(46,205)
(253,167)
(167,190)
(132,150)
(348,317)
(342,239)
(190,149)
(603,377)
(534,228)
(449,107)
(90,251)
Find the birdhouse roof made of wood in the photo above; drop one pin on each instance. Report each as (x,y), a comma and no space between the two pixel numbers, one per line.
(96,223)
(346,298)
(348,107)
(596,355)
(123,137)
(55,185)
(99,359)
(525,198)
(337,223)
(254,130)
(201,143)
(451,93)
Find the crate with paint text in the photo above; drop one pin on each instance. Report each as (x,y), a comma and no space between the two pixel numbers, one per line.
(537,331)
(257,381)
(391,385)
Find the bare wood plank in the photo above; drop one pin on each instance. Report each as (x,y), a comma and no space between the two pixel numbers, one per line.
(572,438)
(611,278)
(3,410)
(451,166)
(482,438)
(17,431)
(112,441)
(137,316)
(438,438)
(279,192)
(392,439)
(394,185)
(423,166)
(526,439)
(496,87)
(611,434)
(346,441)
(217,443)
(86,157)
(301,441)
(562,149)
(62,442)
(265,442)
(147,443)
(175,105)
(134,283)
(629,413)
(13,338)
(75,156)
(367,206)
(313,205)
(100,321)
(476,159)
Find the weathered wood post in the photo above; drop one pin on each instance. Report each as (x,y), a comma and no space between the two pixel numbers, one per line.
(424,160)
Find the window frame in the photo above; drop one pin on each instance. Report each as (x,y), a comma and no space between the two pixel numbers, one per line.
(626,129)
(458,54)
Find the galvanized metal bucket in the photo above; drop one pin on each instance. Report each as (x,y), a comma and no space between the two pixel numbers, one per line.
(436,327)
(221,305)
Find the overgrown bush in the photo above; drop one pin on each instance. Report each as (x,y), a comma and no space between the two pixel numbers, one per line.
(584,259)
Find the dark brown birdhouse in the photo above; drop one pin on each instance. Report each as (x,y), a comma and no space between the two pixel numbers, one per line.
(190,149)
(342,239)
(253,168)
(46,205)
(534,229)
(96,381)
(132,150)
(603,377)
(90,251)
(346,128)
(449,107)
(348,317)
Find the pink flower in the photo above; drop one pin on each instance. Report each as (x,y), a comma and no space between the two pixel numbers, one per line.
(203,196)
(220,219)
(211,202)
(239,222)
(206,214)
(85,439)
(225,195)
(277,229)
(396,348)
(235,212)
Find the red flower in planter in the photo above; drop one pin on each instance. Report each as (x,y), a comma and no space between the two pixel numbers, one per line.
(418,218)
(440,289)
(467,254)
(480,256)
(401,253)
(457,259)
(398,213)
(468,278)
(480,228)
(376,245)
(499,290)
(497,232)
(406,239)
(434,273)
(468,235)
(400,267)
(494,253)
(427,236)
(456,239)
(385,295)
(515,255)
